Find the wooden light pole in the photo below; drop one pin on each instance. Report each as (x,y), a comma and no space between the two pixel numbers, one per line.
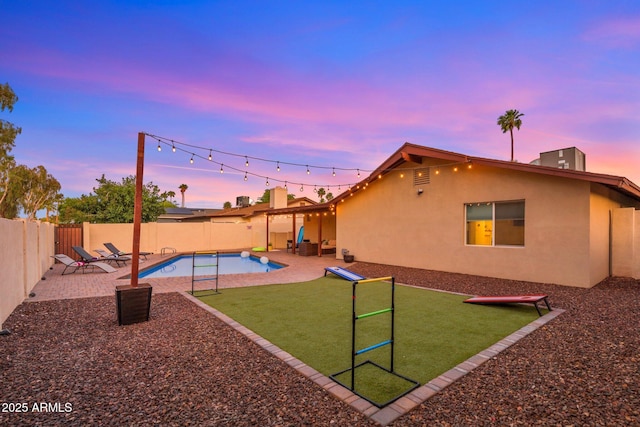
(133,301)
(137,212)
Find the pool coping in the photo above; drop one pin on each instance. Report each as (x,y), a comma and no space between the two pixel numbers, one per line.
(401,406)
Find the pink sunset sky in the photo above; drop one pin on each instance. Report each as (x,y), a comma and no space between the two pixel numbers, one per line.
(334,84)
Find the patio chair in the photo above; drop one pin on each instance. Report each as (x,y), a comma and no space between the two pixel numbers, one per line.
(300,238)
(88,258)
(116,251)
(81,265)
(109,257)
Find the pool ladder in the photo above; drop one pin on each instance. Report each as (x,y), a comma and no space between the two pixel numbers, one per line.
(207,265)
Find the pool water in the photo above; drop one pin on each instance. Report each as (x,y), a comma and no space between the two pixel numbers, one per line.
(205,266)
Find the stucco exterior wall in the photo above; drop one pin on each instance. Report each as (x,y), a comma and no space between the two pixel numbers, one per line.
(24,257)
(391,223)
(186,236)
(312,222)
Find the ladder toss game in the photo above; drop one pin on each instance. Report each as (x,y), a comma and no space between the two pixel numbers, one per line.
(388,342)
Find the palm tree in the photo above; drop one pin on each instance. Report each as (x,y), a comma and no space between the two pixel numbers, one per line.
(508,121)
(183,188)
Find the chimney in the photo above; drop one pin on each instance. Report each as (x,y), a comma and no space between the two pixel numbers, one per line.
(278,198)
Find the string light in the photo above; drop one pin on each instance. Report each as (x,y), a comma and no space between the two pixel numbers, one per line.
(267,183)
(285,185)
(175,145)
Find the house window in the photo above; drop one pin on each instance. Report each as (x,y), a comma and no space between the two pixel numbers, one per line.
(495,223)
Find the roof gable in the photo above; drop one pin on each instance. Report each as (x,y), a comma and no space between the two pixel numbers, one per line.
(416,153)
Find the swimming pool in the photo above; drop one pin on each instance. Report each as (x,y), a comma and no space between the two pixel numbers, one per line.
(205,266)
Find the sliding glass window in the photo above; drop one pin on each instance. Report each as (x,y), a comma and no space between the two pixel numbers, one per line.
(495,223)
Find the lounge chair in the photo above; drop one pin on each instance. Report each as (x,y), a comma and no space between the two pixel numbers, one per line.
(109,257)
(81,265)
(116,251)
(300,239)
(88,258)
(344,273)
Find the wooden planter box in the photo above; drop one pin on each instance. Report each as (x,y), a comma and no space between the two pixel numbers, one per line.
(133,303)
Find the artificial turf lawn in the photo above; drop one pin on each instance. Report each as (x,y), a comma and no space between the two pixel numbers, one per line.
(434,331)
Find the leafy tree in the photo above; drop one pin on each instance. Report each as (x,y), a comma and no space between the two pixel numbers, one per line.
(112,202)
(227,205)
(509,120)
(37,188)
(8,134)
(266,196)
(183,188)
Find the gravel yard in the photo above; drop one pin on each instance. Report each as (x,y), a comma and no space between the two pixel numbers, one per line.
(186,367)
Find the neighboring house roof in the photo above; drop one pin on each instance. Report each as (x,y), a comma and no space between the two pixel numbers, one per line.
(178,214)
(415,153)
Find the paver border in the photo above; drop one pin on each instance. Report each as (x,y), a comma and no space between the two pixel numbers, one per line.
(389,413)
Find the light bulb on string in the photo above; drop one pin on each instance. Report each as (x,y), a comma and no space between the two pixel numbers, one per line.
(191,161)
(315,189)
(278,167)
(285,185)
(267,183)
(301,188)
(222,168)
(210,155)
(173,147)
(308,170)
(246,161)
(358,173)
(334,172)
(159,147)
(245,176)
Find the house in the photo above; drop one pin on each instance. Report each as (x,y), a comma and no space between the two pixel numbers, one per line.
(439,210)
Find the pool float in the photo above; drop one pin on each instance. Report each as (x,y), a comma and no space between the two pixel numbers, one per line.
(259,249)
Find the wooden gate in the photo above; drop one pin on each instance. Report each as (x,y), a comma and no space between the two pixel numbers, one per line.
(66,236)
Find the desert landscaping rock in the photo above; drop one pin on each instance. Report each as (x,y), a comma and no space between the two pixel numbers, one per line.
(186,367)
